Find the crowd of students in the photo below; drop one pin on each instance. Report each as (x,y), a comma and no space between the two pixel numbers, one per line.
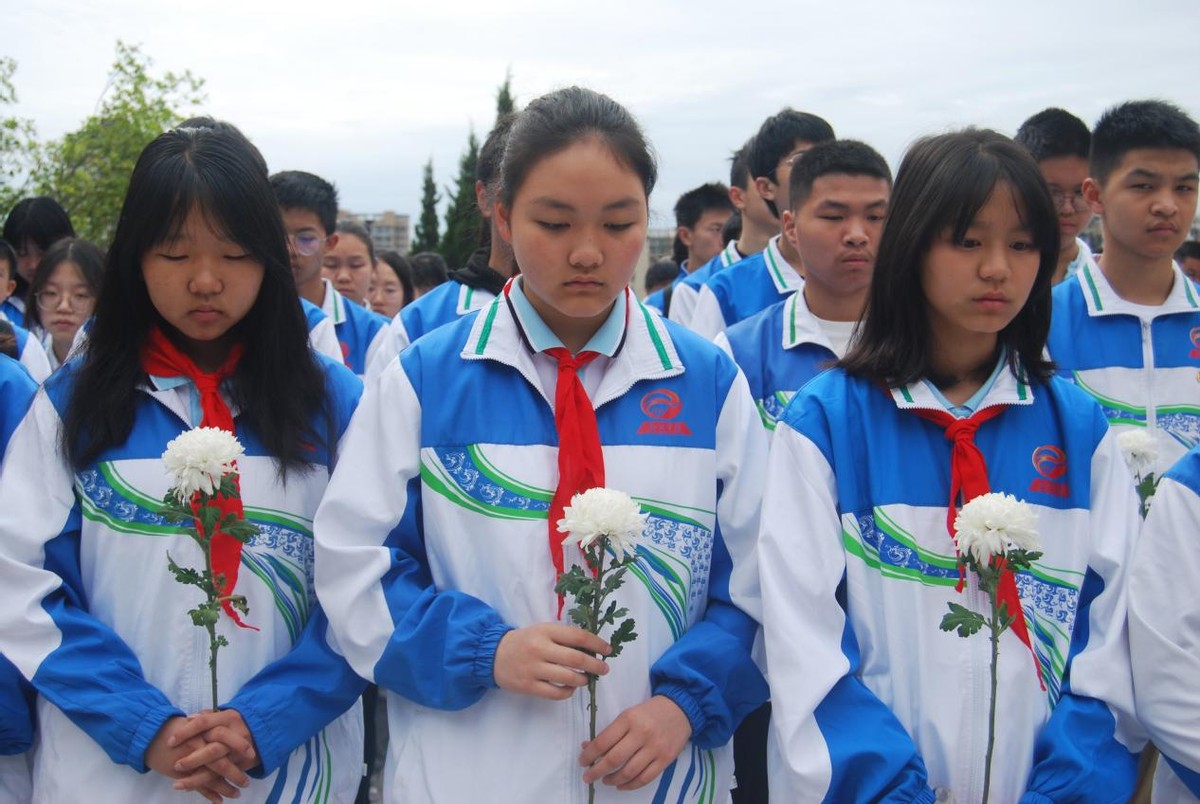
(837,359)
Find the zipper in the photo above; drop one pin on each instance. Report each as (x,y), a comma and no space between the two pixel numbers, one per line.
(1148,366)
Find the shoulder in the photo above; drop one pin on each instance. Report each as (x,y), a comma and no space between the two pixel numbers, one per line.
(343,387)
(312,313)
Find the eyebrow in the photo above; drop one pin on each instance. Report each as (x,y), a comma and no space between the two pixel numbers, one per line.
(554,203)
(1142,173)
(830,203)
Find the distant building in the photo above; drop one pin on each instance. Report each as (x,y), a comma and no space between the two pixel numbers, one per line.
(389,231)
(659,241)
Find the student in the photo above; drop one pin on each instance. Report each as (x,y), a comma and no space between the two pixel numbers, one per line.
(871,700)
(16,696)
(27,348)
(32,226)
(762,279)
(660,275)
(195,325)
(309,207)
(1162,629)
(391,284)
(1188,257)
(1059,142)
(429,271)
(700,215)
(757,226)
(469,288)
(62,295)
(452,564)
(349,262)
(1126,328)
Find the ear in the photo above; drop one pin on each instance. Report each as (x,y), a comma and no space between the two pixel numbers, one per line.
(504,222)
(330,242)
(481,199)
(765,187)
(789,228)
(737,196)
(685,235)
(1091,193)
(7,288)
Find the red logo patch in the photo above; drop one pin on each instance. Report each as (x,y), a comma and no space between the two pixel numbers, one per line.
(1051,463)
(1195,336)
(661,407)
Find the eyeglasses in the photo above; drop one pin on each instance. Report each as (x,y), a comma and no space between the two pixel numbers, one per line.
(1074,199)
(50,299)
(305,243)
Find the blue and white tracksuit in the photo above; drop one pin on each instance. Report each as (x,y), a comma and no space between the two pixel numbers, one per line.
(16,696)
(94,618)
(321,335)
(779,349)
(743,289)
(360,332)
(432,545)
(1141,364)
(446,303)
(13,309)
(31,353)
(658,299)
(872,700)
(687,290)
(1164,637)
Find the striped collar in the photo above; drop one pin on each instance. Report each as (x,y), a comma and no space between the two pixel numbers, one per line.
(647,352)
(729,255)
(782,274)
(800,325)
(1101,299)
(1005,390)
(334,305)
(534,331)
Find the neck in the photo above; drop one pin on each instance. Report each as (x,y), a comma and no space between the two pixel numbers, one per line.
(313,290)
(1066,255)
(832,306)
(61,347)
(960,369)
(501,260)
(1137,279)
(790,254)
(754,238)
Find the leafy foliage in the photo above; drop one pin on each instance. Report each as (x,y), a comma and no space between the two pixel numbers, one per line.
(426,234)
(18,142)
(463,221)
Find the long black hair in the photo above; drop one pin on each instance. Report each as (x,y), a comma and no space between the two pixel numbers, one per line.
(278,386)
(942,183)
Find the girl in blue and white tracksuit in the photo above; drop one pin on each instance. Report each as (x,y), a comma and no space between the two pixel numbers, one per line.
(16,712)
(433,555)
(92,616)
(872,700)
(1163,636)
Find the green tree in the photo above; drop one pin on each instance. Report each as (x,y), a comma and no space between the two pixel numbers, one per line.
(463,221)
(426,235)
(88,169)
(18,143)
(505,102)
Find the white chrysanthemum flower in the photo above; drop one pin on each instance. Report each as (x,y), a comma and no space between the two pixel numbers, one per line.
(1139,449)
(992,524)
(199,458)
(604,512)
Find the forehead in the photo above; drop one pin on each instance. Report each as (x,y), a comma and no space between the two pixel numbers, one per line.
(1064,169)
(299,219)
(348,242)
(846,188)
(1170,162)
(583,175)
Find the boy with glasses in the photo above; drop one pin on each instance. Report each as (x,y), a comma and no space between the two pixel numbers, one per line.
(309,207)
(1059,141)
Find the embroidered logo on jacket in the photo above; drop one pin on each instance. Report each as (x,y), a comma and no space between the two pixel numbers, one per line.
(661,407)
(1051,464)
(1195,336)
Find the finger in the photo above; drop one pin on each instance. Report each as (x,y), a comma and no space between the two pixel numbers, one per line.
(230,771)
(194,726)
(205,780)
(632,769)
(560,676)
(610,761)
(206,754)
(551,692)
(648,775)
(573,637)
(593,750)
(233,739)
(576,659)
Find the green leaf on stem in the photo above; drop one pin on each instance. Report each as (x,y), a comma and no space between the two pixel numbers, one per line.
(962,620)
(624,634)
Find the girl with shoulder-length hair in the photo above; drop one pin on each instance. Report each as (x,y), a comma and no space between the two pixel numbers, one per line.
(196,324)
(946,396)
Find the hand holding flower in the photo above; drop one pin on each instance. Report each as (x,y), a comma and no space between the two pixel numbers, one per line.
(548,660)
(638,746)
(171,745)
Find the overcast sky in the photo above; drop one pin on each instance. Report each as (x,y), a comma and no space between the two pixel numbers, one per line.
(364,93)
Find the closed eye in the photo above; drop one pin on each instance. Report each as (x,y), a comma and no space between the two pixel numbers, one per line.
(552,226)
(172,257)
(618,227)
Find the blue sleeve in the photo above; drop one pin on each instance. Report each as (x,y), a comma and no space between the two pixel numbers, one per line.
(297,695)
(709,672)
(16,713)
(453,632)
(1076,756)
(93,676)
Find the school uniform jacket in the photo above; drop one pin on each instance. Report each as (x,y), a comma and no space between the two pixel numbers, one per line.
(658,299)
(433,543)
(872,700)
(687,290)
(447,302)
(93,617)
(779,349)
(16,696)
(1143,373)
(322,337)
(13,310)
(1163,635)
(743,289)
(31,354)
(360,332)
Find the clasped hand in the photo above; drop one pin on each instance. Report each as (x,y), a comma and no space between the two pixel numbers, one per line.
(208,752)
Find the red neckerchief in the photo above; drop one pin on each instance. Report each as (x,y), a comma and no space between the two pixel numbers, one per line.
(968,478)
(162,358)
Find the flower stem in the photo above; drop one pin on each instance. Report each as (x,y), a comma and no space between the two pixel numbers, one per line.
(211,592)
(991,744)
(597,603)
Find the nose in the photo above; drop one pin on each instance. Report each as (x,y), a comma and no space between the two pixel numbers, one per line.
(205,280)
(64,303)
(1165,203)
(994,263)
(856,233)
(586,253)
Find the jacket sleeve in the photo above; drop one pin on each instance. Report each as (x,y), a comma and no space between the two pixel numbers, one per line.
(1164,620)
(372,572)
(833,739)
(75,661)
(709,672)
(683,304)
(16,714)
(708,319)
(1084,752)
